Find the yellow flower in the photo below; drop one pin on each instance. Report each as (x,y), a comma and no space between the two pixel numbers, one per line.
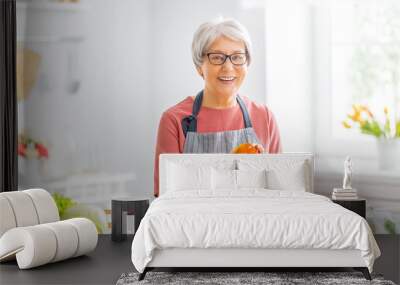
(346,125)
(385,110)
(356,116)
(367,110)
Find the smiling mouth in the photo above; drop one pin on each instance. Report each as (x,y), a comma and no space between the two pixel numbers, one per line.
(226,79)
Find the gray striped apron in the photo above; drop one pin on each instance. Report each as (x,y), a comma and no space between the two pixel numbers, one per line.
(216,142)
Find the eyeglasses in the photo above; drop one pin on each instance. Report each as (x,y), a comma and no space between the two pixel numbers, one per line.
(220,58)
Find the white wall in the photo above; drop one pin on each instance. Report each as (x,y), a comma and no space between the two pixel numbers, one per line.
(288,61)
(130,56)
(103,127)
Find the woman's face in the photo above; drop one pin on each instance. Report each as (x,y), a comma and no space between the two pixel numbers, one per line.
(227,78)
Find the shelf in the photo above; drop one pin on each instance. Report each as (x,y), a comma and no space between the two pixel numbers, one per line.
(46,6)
(51,39)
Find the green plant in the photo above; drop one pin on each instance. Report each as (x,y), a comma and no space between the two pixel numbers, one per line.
(63,203)
(390,226)
(68,209)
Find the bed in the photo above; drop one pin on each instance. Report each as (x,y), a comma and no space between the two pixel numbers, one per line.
(242,211)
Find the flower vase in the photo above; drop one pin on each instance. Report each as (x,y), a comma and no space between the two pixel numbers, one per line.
(33,172)
(388,153)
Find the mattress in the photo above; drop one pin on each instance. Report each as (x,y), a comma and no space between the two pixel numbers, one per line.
(251,219)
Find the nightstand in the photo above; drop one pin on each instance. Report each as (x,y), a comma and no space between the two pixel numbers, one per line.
(358,206)
(120,209)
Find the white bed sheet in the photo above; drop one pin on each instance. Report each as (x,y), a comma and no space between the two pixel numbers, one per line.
(250,218)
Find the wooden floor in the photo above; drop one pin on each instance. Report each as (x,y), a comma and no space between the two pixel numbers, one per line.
(111,259)
(102,266)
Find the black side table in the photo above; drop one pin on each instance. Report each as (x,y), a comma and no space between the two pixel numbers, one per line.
(358,206)
(120,208)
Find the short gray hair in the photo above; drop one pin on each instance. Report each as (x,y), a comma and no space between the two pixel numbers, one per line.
(208,32)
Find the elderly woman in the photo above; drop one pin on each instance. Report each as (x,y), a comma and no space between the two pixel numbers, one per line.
(217,119)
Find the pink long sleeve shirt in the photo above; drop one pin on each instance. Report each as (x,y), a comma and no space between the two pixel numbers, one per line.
(170,137)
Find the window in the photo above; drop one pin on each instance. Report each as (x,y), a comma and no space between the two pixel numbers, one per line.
(356,61)
(365,49)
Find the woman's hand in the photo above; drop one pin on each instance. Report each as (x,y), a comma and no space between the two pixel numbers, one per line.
(259,147)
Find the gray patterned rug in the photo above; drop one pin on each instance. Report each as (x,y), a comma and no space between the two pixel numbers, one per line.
(270,278)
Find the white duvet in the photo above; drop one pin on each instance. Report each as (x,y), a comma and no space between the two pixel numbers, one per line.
(251,218)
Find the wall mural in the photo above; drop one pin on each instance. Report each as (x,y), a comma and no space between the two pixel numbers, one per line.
(86,93)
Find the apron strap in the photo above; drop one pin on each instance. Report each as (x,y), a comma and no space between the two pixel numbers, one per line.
(246,116)
(189,123)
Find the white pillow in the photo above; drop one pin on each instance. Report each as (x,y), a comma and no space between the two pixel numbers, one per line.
(251,178)
(236,179)
(224,179)
(281,174)
(181,177)
(293,179)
